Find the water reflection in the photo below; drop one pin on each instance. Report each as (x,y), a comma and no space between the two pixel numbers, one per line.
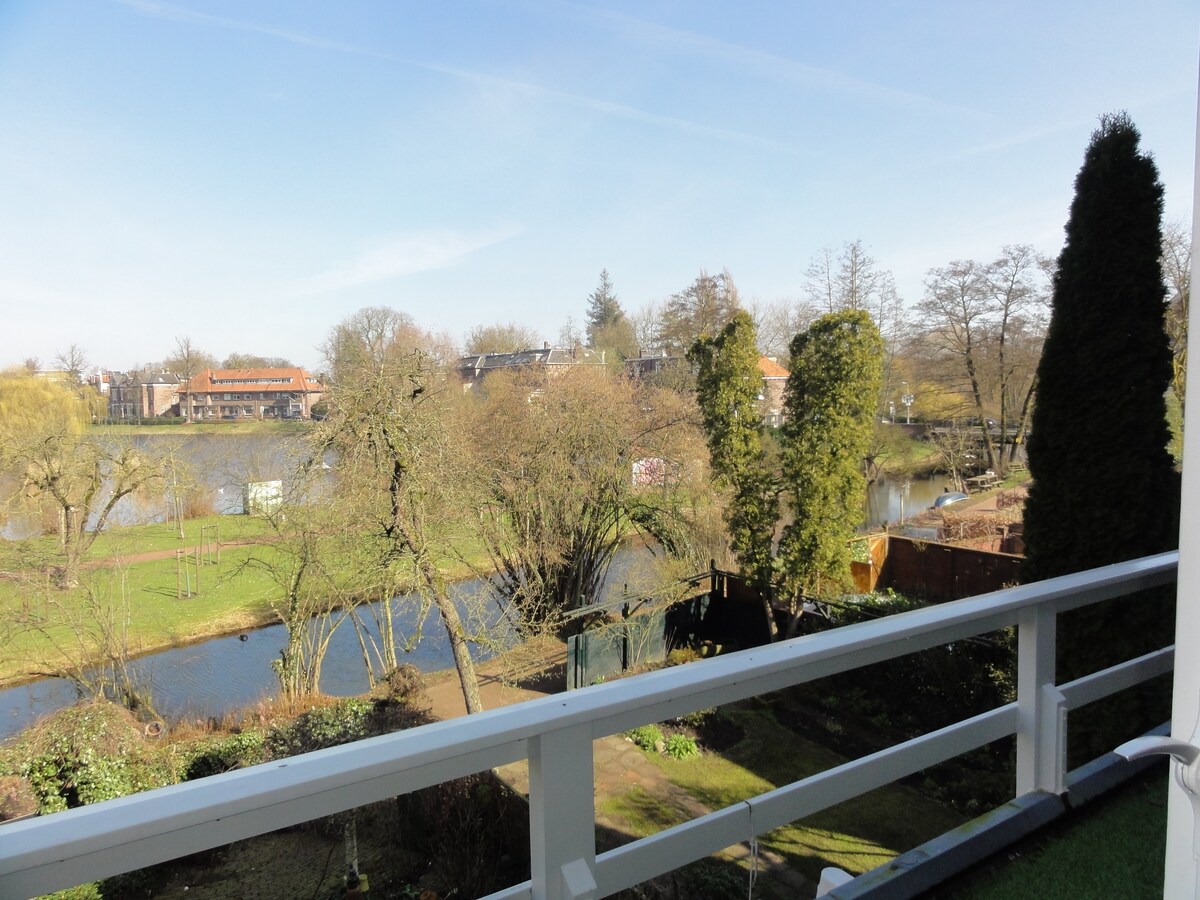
(215,676)
(894,497)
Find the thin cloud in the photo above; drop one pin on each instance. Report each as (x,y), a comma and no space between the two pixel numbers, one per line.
(777,68)
(398,255)
(180,14)
(592,104)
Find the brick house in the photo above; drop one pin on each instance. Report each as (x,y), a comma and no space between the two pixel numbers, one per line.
(285,393)
(770,401)
(142,395)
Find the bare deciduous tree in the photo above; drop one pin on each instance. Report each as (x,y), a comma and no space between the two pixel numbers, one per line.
(86,642)
(74,362)
(703,307)
(1177,270)
(645,327)
(501,338)
(956,313)
(395,462)
(777,323)
(570,464)
(187,362)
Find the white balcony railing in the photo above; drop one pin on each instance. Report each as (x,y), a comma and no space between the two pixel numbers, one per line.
(556,733)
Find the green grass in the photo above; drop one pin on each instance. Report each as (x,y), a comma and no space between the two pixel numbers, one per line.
(233,595)
(856,836)
(230,596)
(1111,848)
(250,427)
(24,554)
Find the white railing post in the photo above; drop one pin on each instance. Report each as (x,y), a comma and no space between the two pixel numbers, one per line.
(562,816)
(1041,707)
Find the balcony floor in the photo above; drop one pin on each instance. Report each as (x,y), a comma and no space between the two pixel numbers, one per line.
(1112,847)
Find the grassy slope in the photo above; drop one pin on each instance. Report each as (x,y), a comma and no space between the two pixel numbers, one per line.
(232,595)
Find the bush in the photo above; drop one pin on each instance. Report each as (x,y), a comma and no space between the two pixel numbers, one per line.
(326,726)
(351,719)
(680,746)
(648,737)
(475,832)
(87,753)
(16,797)
(225,754)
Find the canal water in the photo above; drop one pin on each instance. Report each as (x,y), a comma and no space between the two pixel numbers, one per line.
(892,498)
(223,674)
(211,677)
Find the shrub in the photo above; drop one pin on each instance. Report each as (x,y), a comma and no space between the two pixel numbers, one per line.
(647,737)
(224,754)
(475,832)
(696,719)
(351,719)
(16,797)
(88,753)
(325,726)
(680,746)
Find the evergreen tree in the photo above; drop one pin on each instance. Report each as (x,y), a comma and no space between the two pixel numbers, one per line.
(728,383)
(1104,486)
(829,403)
(603,309)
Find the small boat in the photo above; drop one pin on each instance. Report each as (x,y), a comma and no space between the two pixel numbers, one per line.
(949,498)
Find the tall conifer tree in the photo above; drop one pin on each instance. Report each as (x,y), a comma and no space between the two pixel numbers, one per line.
(1104,485)
(603,308)
(837,367)
(728,383)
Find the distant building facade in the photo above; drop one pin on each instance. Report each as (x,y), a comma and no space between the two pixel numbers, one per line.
(142,395)
(650,365)
(284,393)
(549,360)
(770,401)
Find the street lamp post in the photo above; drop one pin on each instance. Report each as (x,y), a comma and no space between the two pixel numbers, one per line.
(907,400)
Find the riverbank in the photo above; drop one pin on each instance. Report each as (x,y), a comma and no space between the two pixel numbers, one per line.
(137,596)
(224,428)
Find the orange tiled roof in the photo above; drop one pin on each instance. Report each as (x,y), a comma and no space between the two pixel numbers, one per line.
(215,380)
(771,369)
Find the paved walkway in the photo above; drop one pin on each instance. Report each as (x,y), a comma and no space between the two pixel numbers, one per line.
(620,766)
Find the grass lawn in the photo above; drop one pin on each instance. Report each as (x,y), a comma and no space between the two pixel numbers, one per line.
(239,427)
(140,595)
(16,556)
(1112,847)
(856,836)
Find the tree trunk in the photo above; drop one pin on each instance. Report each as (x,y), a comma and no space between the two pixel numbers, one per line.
(457,634)
(462,651)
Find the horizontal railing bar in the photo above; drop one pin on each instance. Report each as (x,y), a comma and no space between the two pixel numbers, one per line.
(833,786)
(671,848)
(1099,685)
(634,863)
(142,829)
(522,891)
(666,694)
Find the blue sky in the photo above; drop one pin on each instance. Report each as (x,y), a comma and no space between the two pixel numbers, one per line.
(249,173)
